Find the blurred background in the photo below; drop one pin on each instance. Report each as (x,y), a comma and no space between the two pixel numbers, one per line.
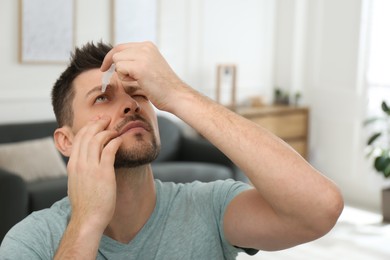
(333,53)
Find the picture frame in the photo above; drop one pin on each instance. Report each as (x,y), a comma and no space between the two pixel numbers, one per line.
(135,21)
(226,85)
(46,30)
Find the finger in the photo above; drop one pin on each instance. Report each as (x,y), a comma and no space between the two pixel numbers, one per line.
(125,71)
(84,136)
(75,153)
(109,152)
(108,59)
(134,47)
(97,143)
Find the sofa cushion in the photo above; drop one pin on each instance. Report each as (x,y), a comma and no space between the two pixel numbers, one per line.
(10,133)
(42,194)
(170,135)
(13,201)
(33,159)
(183,172)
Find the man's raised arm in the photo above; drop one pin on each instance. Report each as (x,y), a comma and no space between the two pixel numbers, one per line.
(292,202)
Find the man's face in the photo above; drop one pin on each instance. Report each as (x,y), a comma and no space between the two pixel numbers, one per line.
(131,113)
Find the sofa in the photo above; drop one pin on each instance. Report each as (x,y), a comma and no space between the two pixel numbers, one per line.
(182,159)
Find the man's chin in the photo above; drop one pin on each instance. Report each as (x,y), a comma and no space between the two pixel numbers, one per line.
(135,157)
(126,164)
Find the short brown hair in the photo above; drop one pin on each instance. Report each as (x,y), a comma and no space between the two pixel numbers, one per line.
(89,56)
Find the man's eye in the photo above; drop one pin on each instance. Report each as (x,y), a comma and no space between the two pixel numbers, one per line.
(101,99)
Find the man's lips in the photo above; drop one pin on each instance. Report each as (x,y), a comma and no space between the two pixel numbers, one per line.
(132,125)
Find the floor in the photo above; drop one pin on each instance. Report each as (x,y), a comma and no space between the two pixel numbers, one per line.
(358,235)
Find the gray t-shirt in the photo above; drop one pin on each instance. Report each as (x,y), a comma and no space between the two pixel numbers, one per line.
(187,223)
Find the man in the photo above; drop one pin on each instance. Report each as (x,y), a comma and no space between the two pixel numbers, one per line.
(115,209)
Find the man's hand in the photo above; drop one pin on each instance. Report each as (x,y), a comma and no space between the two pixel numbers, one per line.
(142,62)
(91,187)
(92,184)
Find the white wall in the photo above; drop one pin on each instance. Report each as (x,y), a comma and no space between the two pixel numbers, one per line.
(25,88)
(329,63)
(194,36)
(335,88)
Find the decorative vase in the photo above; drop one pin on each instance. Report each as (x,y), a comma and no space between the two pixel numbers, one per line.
(386,204)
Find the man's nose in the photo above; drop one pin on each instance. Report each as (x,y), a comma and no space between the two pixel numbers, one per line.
(130,105)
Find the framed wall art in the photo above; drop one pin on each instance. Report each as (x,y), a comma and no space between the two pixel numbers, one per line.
(135,21)
(226,85)
(46,30)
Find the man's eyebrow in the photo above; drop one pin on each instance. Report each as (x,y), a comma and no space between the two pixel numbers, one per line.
(128,89)
(131,89)
(95,89)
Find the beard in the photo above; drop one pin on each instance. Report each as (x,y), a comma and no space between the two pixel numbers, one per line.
(142,153)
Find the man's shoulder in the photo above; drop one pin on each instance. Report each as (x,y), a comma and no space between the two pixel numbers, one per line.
(198,209)
(60,210)
(195,184)
(55,217)
(200,192)
(38,233)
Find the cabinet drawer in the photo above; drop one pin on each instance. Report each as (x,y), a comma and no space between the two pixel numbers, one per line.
(300,146)
(284,125)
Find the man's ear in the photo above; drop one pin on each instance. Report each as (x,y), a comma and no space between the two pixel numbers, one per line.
(63,139)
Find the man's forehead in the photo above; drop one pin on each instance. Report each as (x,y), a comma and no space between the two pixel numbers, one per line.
(91,81)
(88,78)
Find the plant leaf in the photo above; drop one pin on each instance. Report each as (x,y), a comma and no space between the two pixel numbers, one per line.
(385,108)
(381,162)
(373,138)
(386,171)
(372,120)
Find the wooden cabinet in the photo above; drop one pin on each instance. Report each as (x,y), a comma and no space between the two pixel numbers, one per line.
(288,122)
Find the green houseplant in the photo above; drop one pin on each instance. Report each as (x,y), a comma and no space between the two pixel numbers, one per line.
(378,145)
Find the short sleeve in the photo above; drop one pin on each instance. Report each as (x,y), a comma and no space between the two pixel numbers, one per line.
(38,235)
(224,193)
(19,243)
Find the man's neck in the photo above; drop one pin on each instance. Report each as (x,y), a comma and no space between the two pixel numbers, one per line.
(135,202)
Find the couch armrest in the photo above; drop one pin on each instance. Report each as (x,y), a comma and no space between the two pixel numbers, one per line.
(201,150)
(13,201)
(43,193)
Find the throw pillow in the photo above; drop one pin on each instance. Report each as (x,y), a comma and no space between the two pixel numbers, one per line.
(33,159)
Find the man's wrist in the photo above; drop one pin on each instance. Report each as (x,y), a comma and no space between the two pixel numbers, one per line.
(80,240)
(87,226)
